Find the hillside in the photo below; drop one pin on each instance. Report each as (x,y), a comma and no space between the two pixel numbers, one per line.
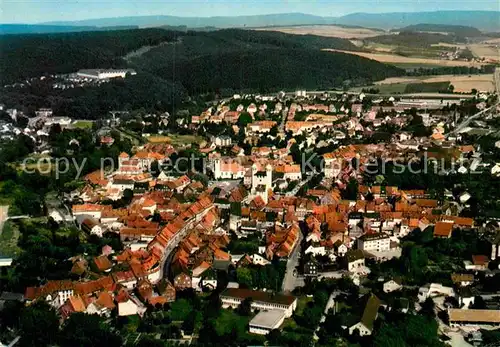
(244,59)
(483,20)
(34,55)
(457,30)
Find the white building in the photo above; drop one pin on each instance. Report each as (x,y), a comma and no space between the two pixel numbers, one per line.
(233,297)
(433,290)
(102,74)
(266,321)
(392,285)
(374,242)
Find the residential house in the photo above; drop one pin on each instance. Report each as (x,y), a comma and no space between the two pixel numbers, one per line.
(392,285)
(355,260)
(91,226)
(370,313)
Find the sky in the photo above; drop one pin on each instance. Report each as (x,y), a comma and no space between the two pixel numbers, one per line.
(36,11)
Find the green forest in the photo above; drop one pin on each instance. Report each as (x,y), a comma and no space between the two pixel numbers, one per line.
(191,63)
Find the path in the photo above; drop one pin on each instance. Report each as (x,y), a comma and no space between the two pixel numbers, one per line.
(4,210)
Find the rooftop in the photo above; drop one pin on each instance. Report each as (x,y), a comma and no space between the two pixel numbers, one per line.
(267,319)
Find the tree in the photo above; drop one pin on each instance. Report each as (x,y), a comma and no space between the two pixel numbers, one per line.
(244,276)
(245,308)
(428,308)
(82,329)
(244,119)
(39,325)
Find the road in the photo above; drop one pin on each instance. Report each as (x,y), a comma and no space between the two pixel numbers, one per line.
(174,242)
(295,190)
(290,279)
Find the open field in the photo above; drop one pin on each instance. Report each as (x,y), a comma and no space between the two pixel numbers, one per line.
(175,140)
(485,51)
(327,30)
(391,59)
(83,124)
(462,83)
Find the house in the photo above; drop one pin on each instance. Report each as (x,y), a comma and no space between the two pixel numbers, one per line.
(476,318)
(182,281)
(355,260)
(340,248)
(478,263)
(54,293)
(233,297)
(378,242)
(443,230)
(128,308)
(167,290)
(315,249)
(91,226)
(103,264)
(432,290)
(102,306)
(266,321)
(311,268)
(392,285)
(370,313)
(462,280)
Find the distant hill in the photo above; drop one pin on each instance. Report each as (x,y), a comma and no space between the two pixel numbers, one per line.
(483,20)
(50,29)
(458,30)
(258,60)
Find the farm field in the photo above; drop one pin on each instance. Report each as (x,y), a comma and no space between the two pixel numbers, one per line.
(485,51)
(394,59)
(327,30)
(462,83)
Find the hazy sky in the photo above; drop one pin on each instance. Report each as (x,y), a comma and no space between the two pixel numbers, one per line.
(33,11)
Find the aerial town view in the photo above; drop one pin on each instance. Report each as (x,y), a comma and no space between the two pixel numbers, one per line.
(250,173)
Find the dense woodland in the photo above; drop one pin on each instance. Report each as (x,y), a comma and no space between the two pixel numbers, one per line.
(416,39)
(224,61)
(458,30)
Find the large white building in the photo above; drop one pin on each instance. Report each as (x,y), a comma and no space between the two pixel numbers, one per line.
(378,242)
(262,301)
(102,74)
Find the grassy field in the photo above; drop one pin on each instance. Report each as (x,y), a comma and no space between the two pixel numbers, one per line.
(396,59)
(8,239)
(327,30)
(83,124)
(176,140)
(462,83)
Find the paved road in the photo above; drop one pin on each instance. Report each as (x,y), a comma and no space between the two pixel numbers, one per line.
(289,280)
(4,210)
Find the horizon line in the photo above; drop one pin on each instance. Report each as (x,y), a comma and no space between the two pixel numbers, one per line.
(75,21)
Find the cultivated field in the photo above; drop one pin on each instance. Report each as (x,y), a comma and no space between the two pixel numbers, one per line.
(485,51)
(462,83)
(327,30)
(396,59)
